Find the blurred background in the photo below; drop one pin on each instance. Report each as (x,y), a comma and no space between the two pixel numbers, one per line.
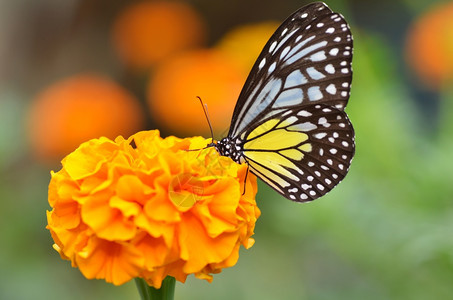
(75,70)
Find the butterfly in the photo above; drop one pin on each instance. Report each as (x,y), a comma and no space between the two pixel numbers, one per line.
(289,123)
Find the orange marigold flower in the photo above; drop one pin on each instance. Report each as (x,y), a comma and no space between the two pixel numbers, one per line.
(211,74)
(429,45)
(150,31)
(145,207)
(78,108)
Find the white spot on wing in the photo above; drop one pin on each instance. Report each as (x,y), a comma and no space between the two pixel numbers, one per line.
(322,120)
(306,186)
(272,47)
(318,56)
(306,126)
(334,51)
(329,69)
(320,135)
(314,94)
(331,89)
(304,113)
(284,31)
(262,63)
(272,67)
(288,122)
(315,74)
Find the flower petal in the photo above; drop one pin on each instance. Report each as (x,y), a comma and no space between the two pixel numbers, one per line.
(145,207)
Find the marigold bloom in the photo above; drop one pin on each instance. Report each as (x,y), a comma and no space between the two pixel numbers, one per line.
(208,73)
(144,207)
(78,108)
(147,32)
(429,45)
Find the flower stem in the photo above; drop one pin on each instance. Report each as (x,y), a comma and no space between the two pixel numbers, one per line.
(166,291)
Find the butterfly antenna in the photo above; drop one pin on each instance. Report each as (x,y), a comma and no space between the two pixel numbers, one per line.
(206,113)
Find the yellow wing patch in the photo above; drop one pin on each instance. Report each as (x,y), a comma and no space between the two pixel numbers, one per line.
(263,128)
(275,140)
(268,175)
(306,147)
(272,150)
(273,161)
(293,153)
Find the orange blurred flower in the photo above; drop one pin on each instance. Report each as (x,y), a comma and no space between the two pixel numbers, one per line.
(79,108)
(245,42)
(144,207)
(429,45)
(147,32)
(210,74)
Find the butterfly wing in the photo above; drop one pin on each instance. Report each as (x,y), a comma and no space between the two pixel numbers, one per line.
(290,114)
(306,61)
(301,153)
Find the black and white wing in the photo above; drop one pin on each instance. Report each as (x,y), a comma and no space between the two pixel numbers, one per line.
(306,61)
(289,123)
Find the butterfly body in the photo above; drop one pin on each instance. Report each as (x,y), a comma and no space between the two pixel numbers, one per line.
(289,123)
(231,148)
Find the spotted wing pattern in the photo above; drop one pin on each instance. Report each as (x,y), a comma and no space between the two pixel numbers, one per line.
(306,61)
(301,153)
(289,123)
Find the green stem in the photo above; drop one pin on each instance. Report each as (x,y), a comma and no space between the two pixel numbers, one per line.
(166,291)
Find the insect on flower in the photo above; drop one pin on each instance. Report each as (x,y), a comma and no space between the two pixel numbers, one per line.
(289,123)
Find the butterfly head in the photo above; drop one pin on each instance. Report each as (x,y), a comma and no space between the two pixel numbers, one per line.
(231,148)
